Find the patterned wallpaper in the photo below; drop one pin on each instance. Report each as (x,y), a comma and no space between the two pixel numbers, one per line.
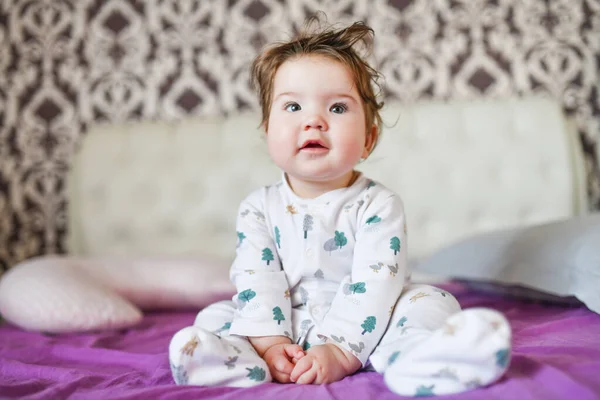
(66,64)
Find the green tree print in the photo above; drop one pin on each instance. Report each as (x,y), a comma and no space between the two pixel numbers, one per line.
(395,244)
(401,322)
(256,374)
(369,324)
(424,391)
(225,327)
(278,315)
(340,239)
(393,357)
(502,357)
(267,255)
(277,238)
(241,238)
(373,220)
(307,224)
(306,346)
(247,295)
(358,287)
(370,185)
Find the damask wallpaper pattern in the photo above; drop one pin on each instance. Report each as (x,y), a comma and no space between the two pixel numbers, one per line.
(66,64)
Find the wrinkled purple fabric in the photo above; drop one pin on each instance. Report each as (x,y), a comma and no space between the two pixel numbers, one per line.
(556,355)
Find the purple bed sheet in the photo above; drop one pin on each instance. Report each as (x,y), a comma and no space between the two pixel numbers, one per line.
(556,355)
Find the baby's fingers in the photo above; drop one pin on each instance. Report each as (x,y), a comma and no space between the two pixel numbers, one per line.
(280,377)
(294,351)
(284,365)
(301,367)
(308,377)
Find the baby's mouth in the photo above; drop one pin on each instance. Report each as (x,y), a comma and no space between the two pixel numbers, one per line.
(313,145)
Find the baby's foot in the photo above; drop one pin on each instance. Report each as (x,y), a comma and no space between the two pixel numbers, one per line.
(471,350)
(200,357)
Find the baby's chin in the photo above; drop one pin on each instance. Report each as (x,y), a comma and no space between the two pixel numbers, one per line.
(319,176)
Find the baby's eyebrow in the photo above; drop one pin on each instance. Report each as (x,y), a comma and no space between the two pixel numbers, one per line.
(291,94)
(328,95)
(344,96)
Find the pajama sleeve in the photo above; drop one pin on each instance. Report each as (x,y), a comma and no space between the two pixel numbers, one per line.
(263,309)
(363,304)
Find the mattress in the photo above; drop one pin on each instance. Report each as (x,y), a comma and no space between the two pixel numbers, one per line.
(556,355)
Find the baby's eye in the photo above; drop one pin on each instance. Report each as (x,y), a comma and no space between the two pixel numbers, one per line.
(339,108)
(292,107)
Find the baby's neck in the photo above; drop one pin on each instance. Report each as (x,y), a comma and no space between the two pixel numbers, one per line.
(313,189)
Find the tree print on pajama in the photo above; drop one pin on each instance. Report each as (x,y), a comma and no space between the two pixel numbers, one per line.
(340,239)
(369,325)
(502,357)
(447,373)
(267,255)
(307,225)
(304,327)
(395,244)
(224,328)
(330,245)
(354,288)
(278,315)
(401,322)
(179,374)
(256,374)
(373,220)
(245,296)
(336,242)
(424,391)
(303,295)
(241,237)
(277,239)
(393,357)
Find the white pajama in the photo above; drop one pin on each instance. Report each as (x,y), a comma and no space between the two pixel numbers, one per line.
(335,268)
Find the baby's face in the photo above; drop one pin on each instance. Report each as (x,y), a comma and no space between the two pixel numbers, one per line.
(316,130)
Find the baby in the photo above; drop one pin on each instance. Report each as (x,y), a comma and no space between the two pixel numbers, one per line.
(321,267)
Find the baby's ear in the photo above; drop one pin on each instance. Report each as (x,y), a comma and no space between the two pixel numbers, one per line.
(370,140)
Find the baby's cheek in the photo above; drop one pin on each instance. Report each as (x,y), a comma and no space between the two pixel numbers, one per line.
(351,148)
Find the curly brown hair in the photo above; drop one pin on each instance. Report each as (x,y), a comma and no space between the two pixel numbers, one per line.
(336,44)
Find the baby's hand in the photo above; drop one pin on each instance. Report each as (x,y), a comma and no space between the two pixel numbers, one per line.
(324,363)
(281,359)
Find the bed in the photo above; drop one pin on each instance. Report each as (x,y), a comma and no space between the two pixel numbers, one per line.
(168,192)
(556,355)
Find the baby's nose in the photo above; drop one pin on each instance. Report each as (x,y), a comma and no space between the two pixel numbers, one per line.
(315,122)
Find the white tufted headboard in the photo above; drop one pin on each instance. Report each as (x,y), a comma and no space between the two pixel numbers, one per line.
(172,189)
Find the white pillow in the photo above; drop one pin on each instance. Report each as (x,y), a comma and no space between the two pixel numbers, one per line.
(560,258)
(60,294)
